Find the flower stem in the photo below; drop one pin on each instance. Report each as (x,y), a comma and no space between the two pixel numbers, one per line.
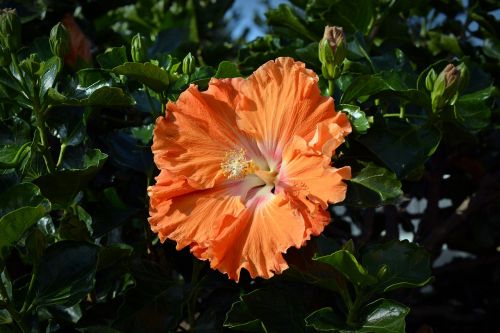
(331,87)
(399,115)
(61,155)
(40,125)
(352,314)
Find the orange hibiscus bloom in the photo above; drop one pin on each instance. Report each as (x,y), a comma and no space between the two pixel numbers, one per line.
(245,168)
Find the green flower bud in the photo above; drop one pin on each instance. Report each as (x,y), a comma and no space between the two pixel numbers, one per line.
(445,89)
(430,79)
(188,64)
(31,65)
(464,76)
(4,57)
(59,40)
(138,48)
(332,52)
(10,29)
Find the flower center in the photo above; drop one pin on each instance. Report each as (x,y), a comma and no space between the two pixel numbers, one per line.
(236,166)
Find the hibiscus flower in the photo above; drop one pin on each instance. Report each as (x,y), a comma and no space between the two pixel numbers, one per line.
(245,168)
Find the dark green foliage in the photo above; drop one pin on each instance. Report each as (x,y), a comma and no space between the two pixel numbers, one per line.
(76,251)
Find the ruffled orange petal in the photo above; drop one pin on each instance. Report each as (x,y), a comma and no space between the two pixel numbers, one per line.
(199,129)
(282,99)
(309,177)
(191,216)
(257,239)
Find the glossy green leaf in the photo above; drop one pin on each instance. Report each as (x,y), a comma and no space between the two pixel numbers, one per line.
(384,316)
(151,75)
(12,155)
(227,69)
(65,274)
(373,186)
(325,320)
(472,111)
(94,95)
(49,70)
(21,207)
(283,16)
(345,262)
(402,146)
(358,118)
(254,312)
(395,81)
(61,186)
(67,125)
(407,265)
(112,57)
(352,16)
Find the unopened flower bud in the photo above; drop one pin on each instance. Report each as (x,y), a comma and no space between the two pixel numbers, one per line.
(59,40)
(10,29)
(188,64)
(336,39)
(4,57)
(31,65)
(138,48)
(464,76)
(445,88)
(430,79)
(451,75)
(332,52)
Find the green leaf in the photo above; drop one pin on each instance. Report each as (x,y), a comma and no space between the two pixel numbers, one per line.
(151,75)
(358,118)
(155,303)
(49,70)
(401,146)
(5,318)
(12,155)
(227,69)
(345,262)
(65,274)
(67,124)
(353,16)
(201,76)
(61,186)
(407,265)
(439,42)
(491,48)
(325,320)
(268,310)
(395,81)
(112,57)
(89,77)
(373,186)
(94,95)
(471,110)
(21,206)
(283,16)
(384,316)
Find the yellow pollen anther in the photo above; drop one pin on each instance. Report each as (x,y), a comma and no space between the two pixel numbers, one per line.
(235,165)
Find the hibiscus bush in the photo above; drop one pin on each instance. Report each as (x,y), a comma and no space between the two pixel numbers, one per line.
(339,173)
